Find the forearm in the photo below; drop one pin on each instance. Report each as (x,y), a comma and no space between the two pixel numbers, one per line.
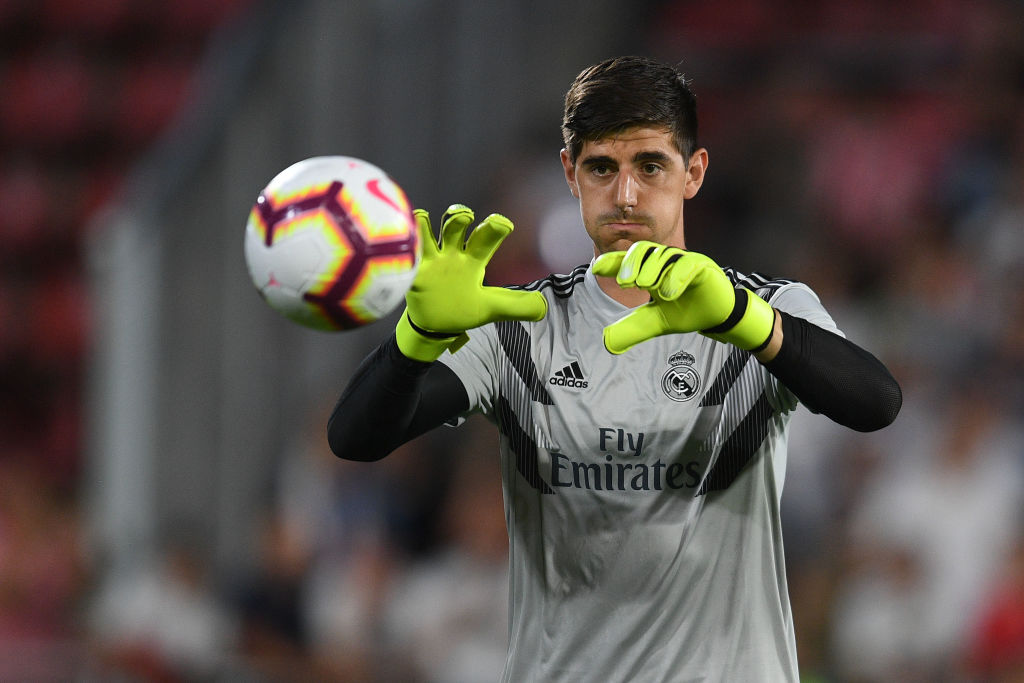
(389,401)
(832,375)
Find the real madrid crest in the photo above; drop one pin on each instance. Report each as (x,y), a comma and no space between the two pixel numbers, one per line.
(681,382)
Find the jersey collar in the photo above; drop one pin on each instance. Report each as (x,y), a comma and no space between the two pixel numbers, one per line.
(604,307)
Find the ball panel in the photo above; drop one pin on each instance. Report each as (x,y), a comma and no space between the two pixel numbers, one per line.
(297,310)
(338,254)
(331,309)
(257,224)
(378,208)
(282,197)
(380,287)
(277,217)
(257,260)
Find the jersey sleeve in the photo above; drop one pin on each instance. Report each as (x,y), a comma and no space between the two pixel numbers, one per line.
(829,374)
(800,301)
(474,364)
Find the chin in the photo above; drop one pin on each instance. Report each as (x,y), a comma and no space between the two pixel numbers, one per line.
(619,240)
(624,243)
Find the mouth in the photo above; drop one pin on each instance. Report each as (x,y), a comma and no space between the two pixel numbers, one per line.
(626,227)
(625,218)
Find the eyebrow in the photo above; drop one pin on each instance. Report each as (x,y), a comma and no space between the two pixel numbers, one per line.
(652,156)
(639,157)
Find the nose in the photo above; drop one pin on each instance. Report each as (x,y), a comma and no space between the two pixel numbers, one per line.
(625,195)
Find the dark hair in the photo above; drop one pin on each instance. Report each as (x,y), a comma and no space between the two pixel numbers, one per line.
(624,92)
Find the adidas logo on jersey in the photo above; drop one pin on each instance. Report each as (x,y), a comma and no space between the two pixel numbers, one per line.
(569,376)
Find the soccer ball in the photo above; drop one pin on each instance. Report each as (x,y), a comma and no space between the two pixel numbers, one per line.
(331,243)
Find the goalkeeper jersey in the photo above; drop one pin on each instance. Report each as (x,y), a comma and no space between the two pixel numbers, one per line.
(641,493)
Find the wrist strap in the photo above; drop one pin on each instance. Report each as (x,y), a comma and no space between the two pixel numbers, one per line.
(739,307)
(749,325)
(427,333)
(423,345)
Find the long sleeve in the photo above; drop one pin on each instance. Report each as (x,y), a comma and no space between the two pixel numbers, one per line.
(835,377)
(391,400)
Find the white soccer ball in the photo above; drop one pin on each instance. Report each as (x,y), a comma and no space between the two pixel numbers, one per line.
(331,243)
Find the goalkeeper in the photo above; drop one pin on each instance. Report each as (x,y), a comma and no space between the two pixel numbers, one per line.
(642,403)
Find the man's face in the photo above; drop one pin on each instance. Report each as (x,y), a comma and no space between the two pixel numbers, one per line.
(631,187)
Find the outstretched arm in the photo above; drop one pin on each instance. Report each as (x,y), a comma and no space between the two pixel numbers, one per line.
(390,400)
(399,391)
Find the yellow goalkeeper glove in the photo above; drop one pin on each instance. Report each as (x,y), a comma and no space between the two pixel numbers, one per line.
(689,293)
(448,296)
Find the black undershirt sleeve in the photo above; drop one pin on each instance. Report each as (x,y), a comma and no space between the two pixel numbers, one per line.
(390,400)
(835,377)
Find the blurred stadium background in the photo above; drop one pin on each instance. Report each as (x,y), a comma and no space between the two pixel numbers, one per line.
(168,508)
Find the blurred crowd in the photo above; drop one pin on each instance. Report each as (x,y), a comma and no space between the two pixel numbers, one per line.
(873,150)
(86,88)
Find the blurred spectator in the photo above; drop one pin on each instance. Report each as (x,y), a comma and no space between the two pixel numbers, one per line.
(450,610)
(941,335)
(996,646)
(42,573)
(163,621)
(376,520)
(929,535)
(345,602)
(876,618)
(269,601)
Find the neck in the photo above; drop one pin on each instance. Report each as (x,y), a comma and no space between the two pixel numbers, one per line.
(632,297)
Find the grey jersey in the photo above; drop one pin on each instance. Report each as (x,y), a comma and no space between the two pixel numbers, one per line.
(641,493)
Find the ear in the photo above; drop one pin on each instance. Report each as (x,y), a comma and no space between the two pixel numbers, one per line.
(570,173)
(695,173)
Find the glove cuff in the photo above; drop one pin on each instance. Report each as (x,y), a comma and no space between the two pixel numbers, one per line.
(749,326)
(423,345)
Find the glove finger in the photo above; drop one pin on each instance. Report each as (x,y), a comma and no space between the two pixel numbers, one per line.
(656,266)
(487,237)
(634,261)
(681,273)
(453,226)
(649,268)
(645,322)
(608,264)
(428,239)
(514,304)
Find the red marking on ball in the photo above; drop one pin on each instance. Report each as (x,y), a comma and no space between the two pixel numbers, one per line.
(374,187)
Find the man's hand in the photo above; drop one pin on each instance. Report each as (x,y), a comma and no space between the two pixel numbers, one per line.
(689,293)
(448,296)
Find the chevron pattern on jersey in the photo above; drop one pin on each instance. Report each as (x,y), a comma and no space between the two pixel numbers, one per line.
(726,378)
(525,449)
(520,384)
(739,448)
(515,342)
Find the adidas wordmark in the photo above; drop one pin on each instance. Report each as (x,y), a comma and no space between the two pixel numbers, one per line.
(569,376)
